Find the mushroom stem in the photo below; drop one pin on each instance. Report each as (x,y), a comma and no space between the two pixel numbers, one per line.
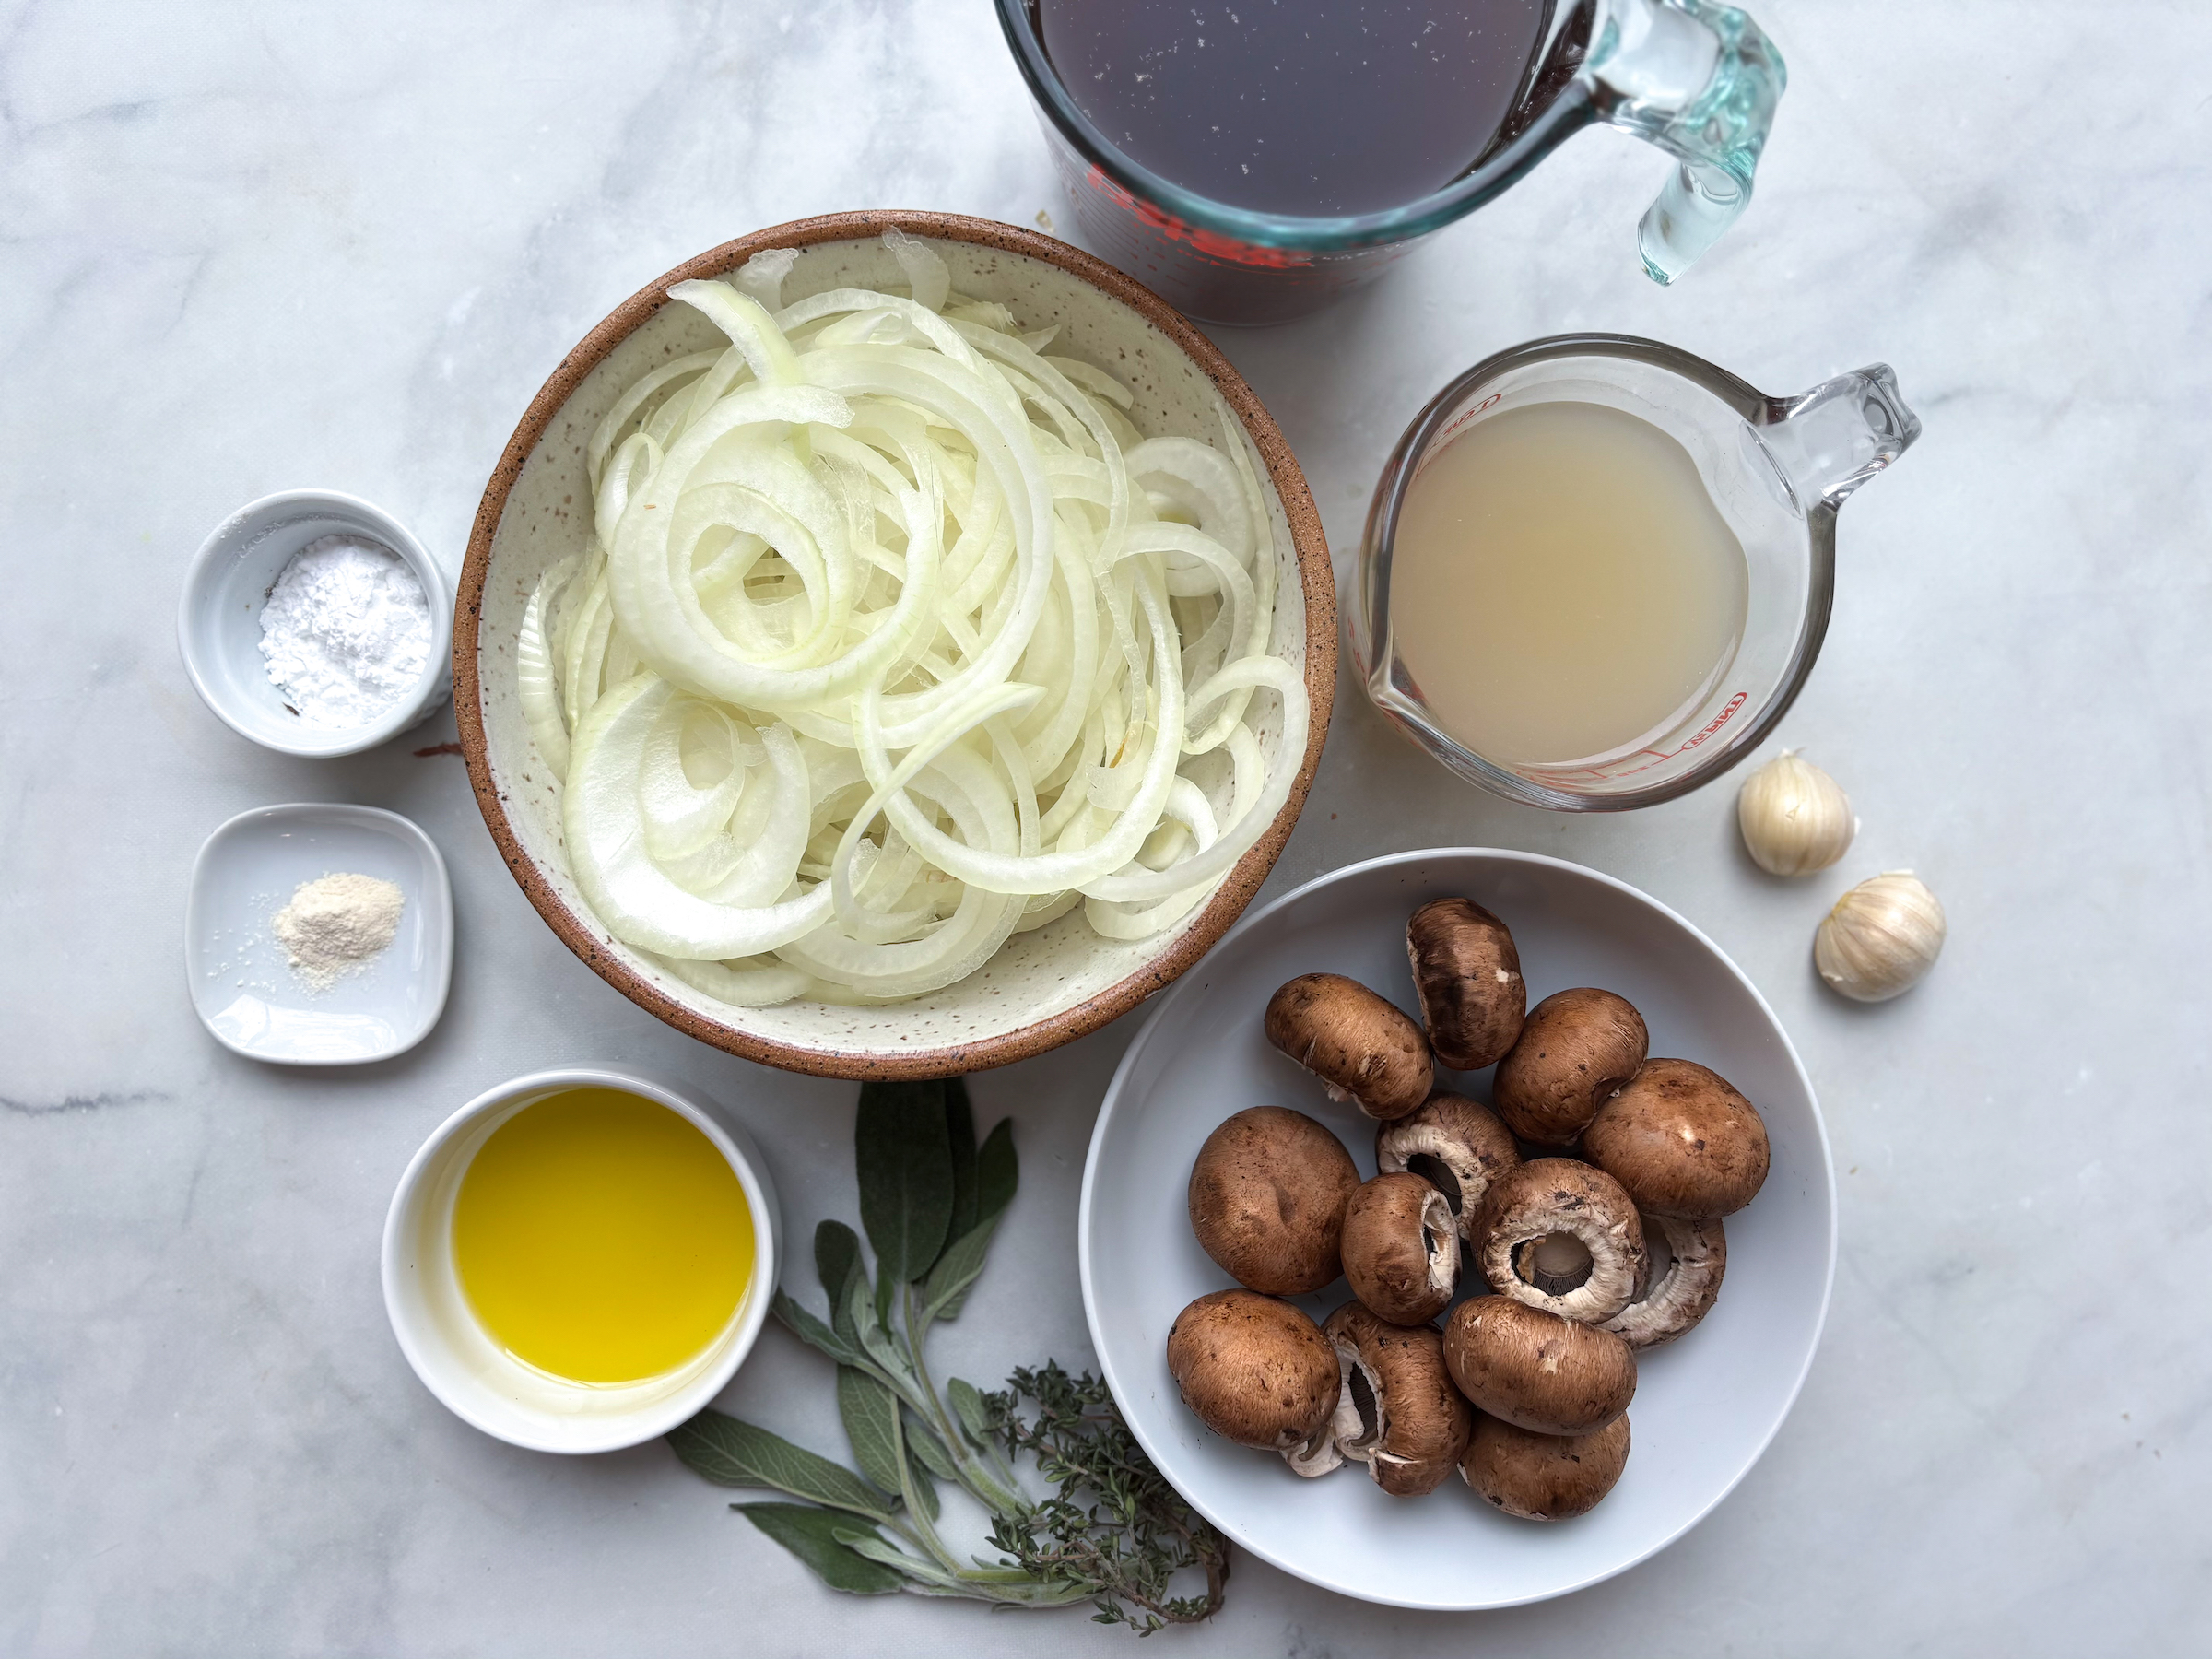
(1554,1264)
(1561,1236)
(1359,1390)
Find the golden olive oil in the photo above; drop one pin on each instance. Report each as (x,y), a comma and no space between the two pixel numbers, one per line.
(602,1236)
(1562,585)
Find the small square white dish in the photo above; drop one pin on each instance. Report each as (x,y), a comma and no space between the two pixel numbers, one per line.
(242,988)
(218,620)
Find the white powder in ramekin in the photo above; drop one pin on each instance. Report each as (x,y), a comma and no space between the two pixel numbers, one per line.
(345,631)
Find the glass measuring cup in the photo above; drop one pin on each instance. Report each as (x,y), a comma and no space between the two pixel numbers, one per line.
(1776,468)
(1697,79)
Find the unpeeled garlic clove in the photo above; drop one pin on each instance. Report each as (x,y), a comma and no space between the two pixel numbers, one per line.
(1794,818)
(1881,938)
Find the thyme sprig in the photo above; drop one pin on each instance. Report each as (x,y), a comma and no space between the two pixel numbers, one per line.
(1112,1533)
(1126,1546)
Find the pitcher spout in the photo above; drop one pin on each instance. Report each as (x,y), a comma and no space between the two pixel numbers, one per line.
(1830,440)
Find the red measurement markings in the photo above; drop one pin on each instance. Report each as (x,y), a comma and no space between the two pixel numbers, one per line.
(1436,444)
(1659,757)
(1197,237)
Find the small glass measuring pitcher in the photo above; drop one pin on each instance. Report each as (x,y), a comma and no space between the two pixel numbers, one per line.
(1776,468)
(1697,79)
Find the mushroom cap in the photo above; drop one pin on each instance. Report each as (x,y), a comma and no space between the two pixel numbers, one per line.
(1549,1195)
(1682,1140)
(1544,1476)
(1456,1145)
(1365,1049)
(1467,976)
(1255,1371)
(1575,1049)
(1421,1424)
(1682,1290)
(1536,1370)
(1401,1248)
(1266,1200)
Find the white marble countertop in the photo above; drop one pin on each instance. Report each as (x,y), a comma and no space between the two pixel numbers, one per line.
(261,246)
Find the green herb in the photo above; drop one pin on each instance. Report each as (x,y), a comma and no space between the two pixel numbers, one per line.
(1128,1545)
(1112,1534)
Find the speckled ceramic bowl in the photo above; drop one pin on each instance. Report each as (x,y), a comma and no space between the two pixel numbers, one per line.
(1046,987)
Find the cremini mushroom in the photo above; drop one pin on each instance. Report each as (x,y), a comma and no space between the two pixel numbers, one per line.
(1682,1140)
(1467,976)
(1411,1423)
(1266,1200)
(1456,1145)
(1364,1049)
(1575,1049)
(1544,1476)
(1254,1369)
(1687,1259)
(1536,1370)
(1559,1235)
(1401,1248)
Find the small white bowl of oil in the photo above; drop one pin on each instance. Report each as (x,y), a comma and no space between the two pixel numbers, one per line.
(580,1259)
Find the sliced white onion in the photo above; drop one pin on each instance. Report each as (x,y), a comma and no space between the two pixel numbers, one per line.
(602,821)
(759,983)
(534,684)
(898,640)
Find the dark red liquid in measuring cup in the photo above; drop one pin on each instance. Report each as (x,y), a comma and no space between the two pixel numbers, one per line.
(1304,107)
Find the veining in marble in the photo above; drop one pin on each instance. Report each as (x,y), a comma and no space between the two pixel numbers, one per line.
(258,246)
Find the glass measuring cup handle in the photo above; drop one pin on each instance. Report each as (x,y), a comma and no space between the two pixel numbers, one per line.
(1830,440)
(1701,81)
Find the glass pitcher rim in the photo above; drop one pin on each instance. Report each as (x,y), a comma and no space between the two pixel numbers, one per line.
(1756,408)
(1573,107)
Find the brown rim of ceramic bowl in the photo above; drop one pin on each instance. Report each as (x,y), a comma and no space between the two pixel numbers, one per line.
(1236,890)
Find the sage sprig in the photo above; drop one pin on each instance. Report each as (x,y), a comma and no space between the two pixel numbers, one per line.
(1112,1534)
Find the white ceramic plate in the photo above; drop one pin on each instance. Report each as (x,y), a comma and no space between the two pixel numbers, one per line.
(1705,1406)
(242,989)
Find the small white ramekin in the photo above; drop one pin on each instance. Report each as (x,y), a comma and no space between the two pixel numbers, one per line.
(480,1382)
(218,620)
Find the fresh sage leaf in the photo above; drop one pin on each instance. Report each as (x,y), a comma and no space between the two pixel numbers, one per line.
(924,1490)
(956,1270)
(731,1451)
(922,1442)
(818,1536)
(1114,1535)
(997,1172)
(927,1576)
(878,1344)
(836,1259)
(875,1549)
(904,1152)
(881,1345)
(866,1406)
(960,1134)
(811,1331)
(916,1489)
(967,1401)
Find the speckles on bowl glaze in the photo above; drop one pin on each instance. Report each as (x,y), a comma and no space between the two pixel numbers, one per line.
(1046,986)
